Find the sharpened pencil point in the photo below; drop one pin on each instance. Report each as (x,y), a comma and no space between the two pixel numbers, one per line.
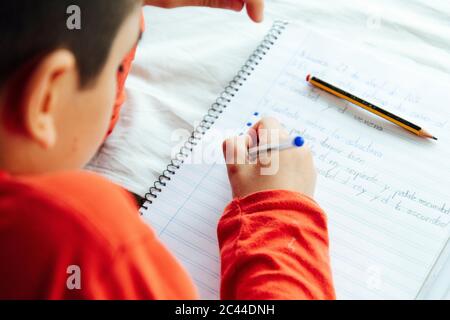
(434,138)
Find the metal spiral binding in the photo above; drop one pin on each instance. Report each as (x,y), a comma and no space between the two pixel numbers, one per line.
(215,110)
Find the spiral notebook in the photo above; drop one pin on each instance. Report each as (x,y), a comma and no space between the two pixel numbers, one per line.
(384,190)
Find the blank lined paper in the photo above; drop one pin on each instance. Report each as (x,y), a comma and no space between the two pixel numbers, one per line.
(385,191)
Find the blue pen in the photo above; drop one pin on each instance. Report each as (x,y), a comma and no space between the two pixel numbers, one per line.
(296,142)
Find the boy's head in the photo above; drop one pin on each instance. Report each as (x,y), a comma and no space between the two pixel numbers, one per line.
(58,84)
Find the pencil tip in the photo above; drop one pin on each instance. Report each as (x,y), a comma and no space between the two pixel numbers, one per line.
(434,138)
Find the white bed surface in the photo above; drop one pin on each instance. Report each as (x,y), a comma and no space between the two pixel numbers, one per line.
(188,56)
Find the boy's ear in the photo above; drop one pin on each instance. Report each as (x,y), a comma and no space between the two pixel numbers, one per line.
(41,94)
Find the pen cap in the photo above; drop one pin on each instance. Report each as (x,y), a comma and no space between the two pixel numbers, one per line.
(298,141)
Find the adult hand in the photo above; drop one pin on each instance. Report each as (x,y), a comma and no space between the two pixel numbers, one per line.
(255,8)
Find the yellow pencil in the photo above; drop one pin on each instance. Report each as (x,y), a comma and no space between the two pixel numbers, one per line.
(411,127)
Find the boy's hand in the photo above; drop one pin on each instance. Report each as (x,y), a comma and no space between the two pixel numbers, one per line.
(294,168)
(255,8)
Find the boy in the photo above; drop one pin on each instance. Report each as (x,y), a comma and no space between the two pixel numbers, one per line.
(68,234)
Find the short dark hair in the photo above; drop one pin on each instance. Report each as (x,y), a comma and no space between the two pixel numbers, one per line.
(30,29)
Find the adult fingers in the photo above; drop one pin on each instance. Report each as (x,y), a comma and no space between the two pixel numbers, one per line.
(255,9)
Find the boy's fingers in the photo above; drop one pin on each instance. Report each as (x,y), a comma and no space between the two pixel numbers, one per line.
(235,149)
(267,123)
(269,130)
(253,138)
(241,149)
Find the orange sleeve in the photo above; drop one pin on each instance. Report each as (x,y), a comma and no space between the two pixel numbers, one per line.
(274,245)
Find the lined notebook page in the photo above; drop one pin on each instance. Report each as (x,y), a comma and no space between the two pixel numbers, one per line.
(384,190)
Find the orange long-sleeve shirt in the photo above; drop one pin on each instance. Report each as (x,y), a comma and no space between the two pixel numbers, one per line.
(273,244)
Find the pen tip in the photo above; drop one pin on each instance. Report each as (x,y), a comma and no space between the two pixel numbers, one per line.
(308,77)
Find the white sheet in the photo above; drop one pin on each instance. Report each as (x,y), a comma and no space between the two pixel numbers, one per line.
(188,55)
(379,247)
